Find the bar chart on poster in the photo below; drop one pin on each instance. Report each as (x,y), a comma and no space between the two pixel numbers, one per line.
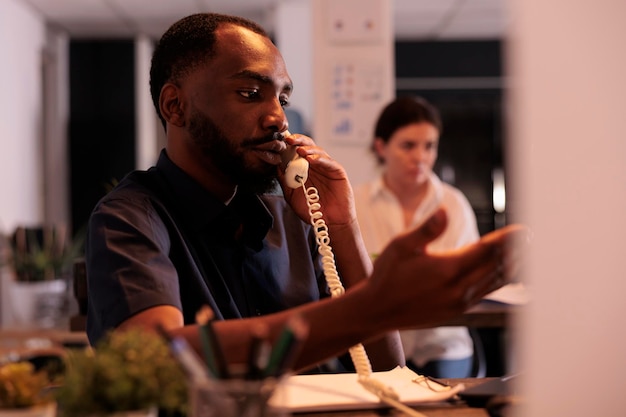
(358,92)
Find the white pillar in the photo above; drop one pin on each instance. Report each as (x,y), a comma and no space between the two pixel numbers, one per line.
(146,146)
(55,147)
(293,36)
(354,73)
(568,64)
(22,39)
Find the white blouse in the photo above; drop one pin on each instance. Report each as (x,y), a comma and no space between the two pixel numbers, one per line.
(381,219)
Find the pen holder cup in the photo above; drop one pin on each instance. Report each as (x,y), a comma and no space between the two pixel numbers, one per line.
(235,398)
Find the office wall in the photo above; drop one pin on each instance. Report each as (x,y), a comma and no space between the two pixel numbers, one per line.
(567,66)
(353,78)
(22,38)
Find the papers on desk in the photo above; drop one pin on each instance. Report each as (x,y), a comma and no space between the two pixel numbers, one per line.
(514,294)
(328,392)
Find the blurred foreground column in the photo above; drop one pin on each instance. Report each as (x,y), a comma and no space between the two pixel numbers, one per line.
(567,65)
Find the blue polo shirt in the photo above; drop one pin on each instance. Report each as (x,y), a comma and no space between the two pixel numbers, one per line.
(159,238)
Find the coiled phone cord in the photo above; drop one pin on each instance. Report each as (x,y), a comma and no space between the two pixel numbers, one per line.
(296,174)
(357,352)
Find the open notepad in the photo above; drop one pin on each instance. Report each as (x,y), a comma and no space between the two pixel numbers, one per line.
(513,294)
(327,392)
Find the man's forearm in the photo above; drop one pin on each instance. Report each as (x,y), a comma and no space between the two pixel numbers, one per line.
(354,265)
(353,261)
(334,326)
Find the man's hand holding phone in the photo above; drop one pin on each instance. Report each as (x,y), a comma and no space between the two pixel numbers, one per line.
(325,174)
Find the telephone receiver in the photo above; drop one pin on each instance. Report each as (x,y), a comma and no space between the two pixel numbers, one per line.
(296,168)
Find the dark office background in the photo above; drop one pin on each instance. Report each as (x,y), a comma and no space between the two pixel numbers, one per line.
(102,121)
(464,80)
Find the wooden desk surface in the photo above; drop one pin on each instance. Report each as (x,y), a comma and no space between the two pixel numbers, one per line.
(486,314)
(55,336)
(59,339)
(38,341)
(455,408)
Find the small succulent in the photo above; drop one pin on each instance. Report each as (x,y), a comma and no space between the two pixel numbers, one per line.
(41,253)
(22,386)
(126,371)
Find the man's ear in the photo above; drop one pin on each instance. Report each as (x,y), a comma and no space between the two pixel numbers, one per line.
(170,105)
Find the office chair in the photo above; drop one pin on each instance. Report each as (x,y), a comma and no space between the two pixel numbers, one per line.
(78,322)
(479,361)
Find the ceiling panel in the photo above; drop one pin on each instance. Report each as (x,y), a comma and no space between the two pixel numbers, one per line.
(151,9)
(153,17)
(425,6)
(60,10)
(413,19)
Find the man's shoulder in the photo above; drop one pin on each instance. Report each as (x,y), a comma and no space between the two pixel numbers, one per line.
(137,188)
(135,183)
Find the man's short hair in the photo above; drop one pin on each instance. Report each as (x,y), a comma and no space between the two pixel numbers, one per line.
(187,44)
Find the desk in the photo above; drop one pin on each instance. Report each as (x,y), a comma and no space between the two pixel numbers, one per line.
(489,323)
(486,314)
(448,409)
(55,336)
(39,341)
(12,340)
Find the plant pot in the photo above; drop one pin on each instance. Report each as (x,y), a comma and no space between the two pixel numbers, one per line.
(43,410)
(150,412)
(38,304)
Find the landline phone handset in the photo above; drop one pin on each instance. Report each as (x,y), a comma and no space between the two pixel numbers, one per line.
(296,167)
(296,174)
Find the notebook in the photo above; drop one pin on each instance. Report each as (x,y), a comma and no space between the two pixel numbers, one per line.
(330,392)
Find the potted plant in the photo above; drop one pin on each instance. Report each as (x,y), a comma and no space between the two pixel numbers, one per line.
(43,253)
(24,391)
(127,372)
(39,260)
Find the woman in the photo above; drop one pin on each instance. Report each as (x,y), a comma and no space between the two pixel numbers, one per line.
(403,196)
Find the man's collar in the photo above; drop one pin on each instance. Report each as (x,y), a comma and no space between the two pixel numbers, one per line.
(202,209)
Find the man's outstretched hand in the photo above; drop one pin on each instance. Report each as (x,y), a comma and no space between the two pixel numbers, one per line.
(426,289)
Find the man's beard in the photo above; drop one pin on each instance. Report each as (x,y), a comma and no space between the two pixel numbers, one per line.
(228,158)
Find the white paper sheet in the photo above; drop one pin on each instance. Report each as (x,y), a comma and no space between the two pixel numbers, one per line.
(327,392)
(514,293)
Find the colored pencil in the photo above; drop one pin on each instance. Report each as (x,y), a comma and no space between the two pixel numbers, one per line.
(259,353)
(211,346)
(186,356)
(285,350)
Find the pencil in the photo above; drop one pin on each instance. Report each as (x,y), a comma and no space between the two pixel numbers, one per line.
(259,353)
(286,348)
(190,362)
(213,353)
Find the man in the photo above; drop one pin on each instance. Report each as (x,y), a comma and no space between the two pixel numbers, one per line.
(199,228)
